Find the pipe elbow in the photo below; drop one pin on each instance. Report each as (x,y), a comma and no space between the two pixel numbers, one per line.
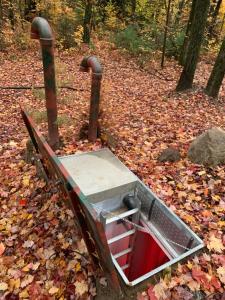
(40,29)
(91,62)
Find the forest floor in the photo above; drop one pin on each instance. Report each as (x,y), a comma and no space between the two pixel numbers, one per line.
(140,116)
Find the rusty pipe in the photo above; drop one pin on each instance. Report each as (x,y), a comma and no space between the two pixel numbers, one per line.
(91,62)
(41,30)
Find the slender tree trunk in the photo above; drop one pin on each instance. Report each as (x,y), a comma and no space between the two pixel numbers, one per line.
(179,13)
(214,18)
(183,53)
(217,74)
(87,22)
(221,28)
(11,15)
(165,33)
(1,15)
(196,37)
(133,7)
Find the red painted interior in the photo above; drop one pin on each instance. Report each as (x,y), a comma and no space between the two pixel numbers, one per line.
(145,256)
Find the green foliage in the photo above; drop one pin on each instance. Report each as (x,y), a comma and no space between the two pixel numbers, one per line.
(111,21)
(174,44)
(63,120)
(132,40)
(39,93)
(65,20)
(21,36)
(6,36)
(39,116)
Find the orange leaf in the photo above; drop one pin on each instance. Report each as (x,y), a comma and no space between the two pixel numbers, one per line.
(2,248)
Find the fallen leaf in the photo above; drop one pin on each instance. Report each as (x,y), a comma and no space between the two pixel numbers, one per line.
(24,294)
(22,202)
(151,293)
(81,287)
(27,280)
(159,291)
(103,281)
(3,286)
(2,248)
(221,274)
(28,244)
(215,244)
(53,290)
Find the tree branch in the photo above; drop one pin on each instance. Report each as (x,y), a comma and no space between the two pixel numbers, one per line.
(37,87)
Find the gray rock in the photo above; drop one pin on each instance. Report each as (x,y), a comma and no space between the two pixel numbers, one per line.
(209,148)
(170,154)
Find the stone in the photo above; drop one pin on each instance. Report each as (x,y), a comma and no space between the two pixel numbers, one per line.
(170,154)
(209,148)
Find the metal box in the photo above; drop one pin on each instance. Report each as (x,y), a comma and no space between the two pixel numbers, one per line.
(144,235)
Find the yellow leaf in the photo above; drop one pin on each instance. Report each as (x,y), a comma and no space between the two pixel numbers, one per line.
(29,216)
(201,173)
(221,273)
(189,218)
(221,223)
(81,287)
(24,294)
(216,198)
(215,244)
(26,181)
(14,283)
(189,265)
(27,268)
(78,267)
(53,290)
(3,286)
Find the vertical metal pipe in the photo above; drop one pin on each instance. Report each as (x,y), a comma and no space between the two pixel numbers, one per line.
(91,62)
(41,30)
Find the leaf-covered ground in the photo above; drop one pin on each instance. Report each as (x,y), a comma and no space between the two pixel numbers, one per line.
(41,253)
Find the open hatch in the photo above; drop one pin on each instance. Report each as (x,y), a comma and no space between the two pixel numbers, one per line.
(144,236)
(126,227)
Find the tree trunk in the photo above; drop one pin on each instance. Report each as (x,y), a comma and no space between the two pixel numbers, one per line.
(222,24)
(1,15)
(11,15)
(214,19)
(133,7)
(165,33)
(183,53)
(87,22)
(29,9)
(217,74)
(195,41)
(179,13)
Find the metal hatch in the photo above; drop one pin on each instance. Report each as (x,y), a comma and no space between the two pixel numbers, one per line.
(144,239)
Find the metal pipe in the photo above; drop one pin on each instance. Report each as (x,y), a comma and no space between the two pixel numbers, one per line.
(91,62)
(40,29)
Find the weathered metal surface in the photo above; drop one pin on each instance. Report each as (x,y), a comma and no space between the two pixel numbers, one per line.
(92,230)
(41,30)
(91,62)
(123,224)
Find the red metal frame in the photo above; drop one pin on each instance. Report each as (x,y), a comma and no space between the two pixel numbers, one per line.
(92,230)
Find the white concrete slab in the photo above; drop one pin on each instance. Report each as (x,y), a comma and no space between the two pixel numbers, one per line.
(97,171)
